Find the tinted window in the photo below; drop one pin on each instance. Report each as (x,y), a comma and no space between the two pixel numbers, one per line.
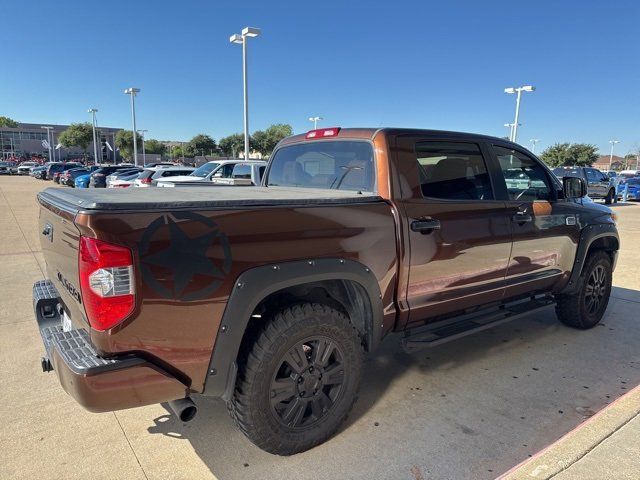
(453,171)
(241,170)
(339,165)
(526,179)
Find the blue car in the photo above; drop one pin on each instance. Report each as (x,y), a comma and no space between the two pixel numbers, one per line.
(633,192)
(82,181)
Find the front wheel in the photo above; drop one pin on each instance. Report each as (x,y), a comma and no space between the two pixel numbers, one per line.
(298,380)
(610,196)
(584,308)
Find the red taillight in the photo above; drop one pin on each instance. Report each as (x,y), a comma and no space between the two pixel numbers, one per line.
(106,282)
(145,180)
(323,133)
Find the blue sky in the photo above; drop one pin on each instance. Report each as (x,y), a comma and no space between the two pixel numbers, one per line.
(421,64)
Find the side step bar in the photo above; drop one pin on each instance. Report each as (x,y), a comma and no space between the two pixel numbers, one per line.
(457,327)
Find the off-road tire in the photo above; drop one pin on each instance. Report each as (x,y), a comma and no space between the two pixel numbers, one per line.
(608,200)
(286,331)
(573,309)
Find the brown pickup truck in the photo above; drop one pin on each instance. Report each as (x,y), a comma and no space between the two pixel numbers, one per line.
(269,296)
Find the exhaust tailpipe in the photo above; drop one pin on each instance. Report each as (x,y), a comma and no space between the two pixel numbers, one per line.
(184,409)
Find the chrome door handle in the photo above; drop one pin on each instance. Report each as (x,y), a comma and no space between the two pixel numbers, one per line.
(522,217)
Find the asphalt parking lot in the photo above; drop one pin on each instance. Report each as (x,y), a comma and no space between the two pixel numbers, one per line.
(470,409)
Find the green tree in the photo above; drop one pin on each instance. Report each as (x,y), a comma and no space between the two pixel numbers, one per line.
(124,141)
(231,145)
(154,146)
(201,144)
(265,141)
(8,122)
(77,135)
(569,154)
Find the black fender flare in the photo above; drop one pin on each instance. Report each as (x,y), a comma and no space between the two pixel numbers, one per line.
(255,284)
(589,234)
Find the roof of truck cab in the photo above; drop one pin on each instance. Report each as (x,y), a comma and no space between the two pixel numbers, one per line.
(370,133)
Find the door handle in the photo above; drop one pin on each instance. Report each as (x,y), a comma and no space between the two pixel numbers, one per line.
(425,225)
(522,217)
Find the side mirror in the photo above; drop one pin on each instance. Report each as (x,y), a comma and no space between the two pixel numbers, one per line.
(574,187)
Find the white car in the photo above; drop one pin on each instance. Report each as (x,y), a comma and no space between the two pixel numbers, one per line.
(149,176)
(220,169)
(25,167)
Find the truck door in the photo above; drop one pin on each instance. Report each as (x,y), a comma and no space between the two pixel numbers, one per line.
(544,230)
(458,234)
(596,185)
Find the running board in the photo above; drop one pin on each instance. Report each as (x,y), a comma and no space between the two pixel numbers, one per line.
(457,327)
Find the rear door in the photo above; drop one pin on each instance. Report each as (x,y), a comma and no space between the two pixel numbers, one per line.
(597,187)
(458,233)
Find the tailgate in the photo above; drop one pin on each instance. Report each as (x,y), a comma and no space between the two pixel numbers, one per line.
(59,240)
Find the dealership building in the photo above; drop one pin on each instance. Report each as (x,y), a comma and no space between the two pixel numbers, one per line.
(30,139)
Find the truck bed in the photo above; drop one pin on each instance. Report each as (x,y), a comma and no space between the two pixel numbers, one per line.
(222,197)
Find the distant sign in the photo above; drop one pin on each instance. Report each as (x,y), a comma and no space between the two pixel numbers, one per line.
(45,144)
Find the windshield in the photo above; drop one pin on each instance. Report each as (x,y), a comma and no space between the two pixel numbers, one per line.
(204,170)
(338,165)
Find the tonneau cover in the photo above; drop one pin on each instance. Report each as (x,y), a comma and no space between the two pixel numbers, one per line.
(198,197)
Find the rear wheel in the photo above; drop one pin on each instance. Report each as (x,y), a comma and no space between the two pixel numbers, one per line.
(585,308)
(299,379)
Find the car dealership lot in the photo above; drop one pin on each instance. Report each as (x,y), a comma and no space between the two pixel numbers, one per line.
(468,409)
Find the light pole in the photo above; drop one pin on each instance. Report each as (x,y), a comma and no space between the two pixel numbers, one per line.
(49,141)
(93,111)
(241,38)
(534,141)
(133,91)
(518,91)
(315,121)
(612,142)
(144,153)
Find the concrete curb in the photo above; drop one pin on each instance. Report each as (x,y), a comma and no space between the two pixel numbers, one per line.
(577,443)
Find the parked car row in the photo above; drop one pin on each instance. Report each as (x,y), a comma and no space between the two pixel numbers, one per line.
(609,186)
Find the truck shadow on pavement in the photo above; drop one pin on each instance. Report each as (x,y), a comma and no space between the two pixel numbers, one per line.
(499,396)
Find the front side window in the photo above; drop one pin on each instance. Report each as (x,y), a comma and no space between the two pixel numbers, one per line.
(224,171)
(526,179)
(453,171)
(336,165)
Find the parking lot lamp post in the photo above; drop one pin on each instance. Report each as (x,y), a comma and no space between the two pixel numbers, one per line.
(49,141)
(144,152)
(93,111)
(315,121)
(133,91)
(612,142)
(518,91)
(241,39)
(533,142)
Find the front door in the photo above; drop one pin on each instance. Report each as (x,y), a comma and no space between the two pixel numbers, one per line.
(458,233)
(596,184)
(544,230)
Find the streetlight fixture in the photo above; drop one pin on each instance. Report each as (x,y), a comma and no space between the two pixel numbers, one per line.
(133,91)
(518,91)
(144,153)
(315,121)
(533,142)
(612,142)
(93,111)
(510,127)
(241,39)
(49,141)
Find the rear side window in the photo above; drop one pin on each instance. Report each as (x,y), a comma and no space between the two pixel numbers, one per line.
(241,170)
(526,179)
(453,171)
(337,165)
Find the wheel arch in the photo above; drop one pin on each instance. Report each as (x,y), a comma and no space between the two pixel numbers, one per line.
(593,238)
(346,285)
